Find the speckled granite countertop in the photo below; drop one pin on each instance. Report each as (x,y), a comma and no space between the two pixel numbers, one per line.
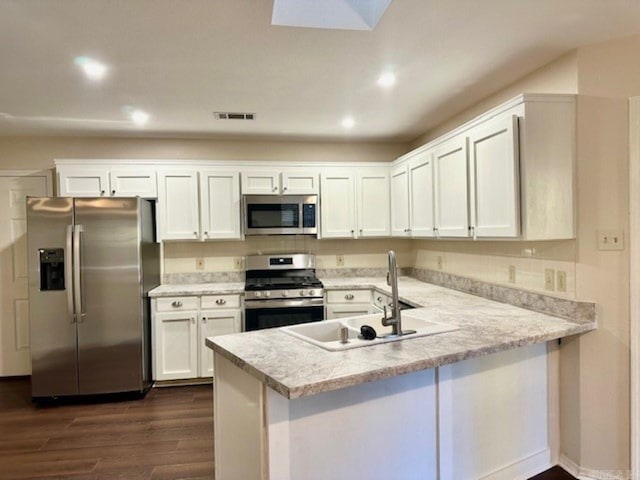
(295,368)
(186,289)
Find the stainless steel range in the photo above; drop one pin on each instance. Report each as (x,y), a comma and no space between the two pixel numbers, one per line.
(282,290)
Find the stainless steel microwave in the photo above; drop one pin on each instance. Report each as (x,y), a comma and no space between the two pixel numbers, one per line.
(280,214)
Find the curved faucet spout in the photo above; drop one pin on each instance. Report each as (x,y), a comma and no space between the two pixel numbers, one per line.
(395,320)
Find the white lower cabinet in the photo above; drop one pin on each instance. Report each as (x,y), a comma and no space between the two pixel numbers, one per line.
(175,345)
(214,323)
(180,327)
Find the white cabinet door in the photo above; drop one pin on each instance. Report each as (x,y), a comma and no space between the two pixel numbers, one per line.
(138,182)
(400,202)
(350,310)
(373,204)
(178,205)
(451,200)
(83,182)
(495,189)
(175,345)
(214,323)
(337,208)
(300,183)
(220,204)
(420,173)
(261,183)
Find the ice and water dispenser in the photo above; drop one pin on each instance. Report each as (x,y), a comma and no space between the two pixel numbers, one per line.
(51,269)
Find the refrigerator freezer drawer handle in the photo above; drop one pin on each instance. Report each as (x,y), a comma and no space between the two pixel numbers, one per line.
(77,280)
(68,273)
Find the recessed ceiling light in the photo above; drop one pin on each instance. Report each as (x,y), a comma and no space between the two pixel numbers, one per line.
(139,117)
(348,122)
(387,80)
(91,68)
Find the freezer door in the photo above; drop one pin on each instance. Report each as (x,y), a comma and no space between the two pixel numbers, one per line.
(51,321)
(109,304)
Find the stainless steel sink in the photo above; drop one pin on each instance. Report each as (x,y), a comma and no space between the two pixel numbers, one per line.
(327,334)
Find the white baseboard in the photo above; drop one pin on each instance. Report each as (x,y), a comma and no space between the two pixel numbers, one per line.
(523,468)
(582,473)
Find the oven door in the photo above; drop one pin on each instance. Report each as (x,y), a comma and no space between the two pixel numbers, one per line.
(261,314)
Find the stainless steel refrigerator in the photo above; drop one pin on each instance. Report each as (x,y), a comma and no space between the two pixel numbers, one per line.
(92,262)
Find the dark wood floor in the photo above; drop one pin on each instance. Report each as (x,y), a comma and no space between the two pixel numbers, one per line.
(167,435)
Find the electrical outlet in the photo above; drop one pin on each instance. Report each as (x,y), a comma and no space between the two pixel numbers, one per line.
(610,240)
(238,263)
(549,279)
(512,274)
(340,260)
(440,262)
(199,263)
(561,280)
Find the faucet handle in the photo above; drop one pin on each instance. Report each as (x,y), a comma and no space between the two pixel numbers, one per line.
(389,278)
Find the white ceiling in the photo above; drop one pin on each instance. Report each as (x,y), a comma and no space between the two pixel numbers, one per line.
(181,60)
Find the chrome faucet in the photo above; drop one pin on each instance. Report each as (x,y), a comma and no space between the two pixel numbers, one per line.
(395,320)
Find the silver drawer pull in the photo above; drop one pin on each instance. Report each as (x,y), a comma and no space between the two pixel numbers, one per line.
(221,301)
(176,304)
(349,296)
(380,299)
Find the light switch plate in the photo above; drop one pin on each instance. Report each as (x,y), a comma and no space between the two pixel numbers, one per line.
(549,279)
(340,260)
(238,263)
(512,274)
(199,263)
(610,239)
(561,280)
(440,262)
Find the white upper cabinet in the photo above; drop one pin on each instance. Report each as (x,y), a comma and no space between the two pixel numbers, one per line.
(400,202)
(451,199)
(495,189)
(373,204)
(220,204)
(178,205)
(79,181)
(420,172)
(337,209)
(83,182)
(136,182)
(275,182)
(509,173)
(300,183)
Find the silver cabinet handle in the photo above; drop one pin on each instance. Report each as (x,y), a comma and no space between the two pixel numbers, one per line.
(101,192)
(113,192)
(360,231)
(352,232)
(284,189)
(176,303)
(379,299)
(206,234)
(221,301)
(195,234)
(349,296)
(275,189)
(204,319)
(193,320)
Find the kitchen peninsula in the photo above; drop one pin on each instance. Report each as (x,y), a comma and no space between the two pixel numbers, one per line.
(478,402)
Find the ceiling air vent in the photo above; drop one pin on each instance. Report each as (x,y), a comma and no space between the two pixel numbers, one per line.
(234,116)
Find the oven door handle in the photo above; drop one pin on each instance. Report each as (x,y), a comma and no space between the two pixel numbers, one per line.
(306,302)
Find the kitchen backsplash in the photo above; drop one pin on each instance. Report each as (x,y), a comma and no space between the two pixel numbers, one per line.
(488,262)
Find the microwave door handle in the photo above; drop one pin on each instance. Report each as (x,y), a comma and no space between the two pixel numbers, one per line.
(301,217)
(68,274)
(77,273)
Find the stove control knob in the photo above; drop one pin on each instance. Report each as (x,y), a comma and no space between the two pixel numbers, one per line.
(258,294)
(285,293)
(267,294)
(312,292)
(302,292)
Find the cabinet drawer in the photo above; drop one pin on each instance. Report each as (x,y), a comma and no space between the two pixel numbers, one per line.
(221,301)
(349,296)
(176,304)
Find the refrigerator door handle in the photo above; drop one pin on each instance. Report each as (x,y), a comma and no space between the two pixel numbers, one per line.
(77,280)
(68,273)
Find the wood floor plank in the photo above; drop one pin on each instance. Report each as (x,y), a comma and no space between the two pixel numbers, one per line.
(170,430)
